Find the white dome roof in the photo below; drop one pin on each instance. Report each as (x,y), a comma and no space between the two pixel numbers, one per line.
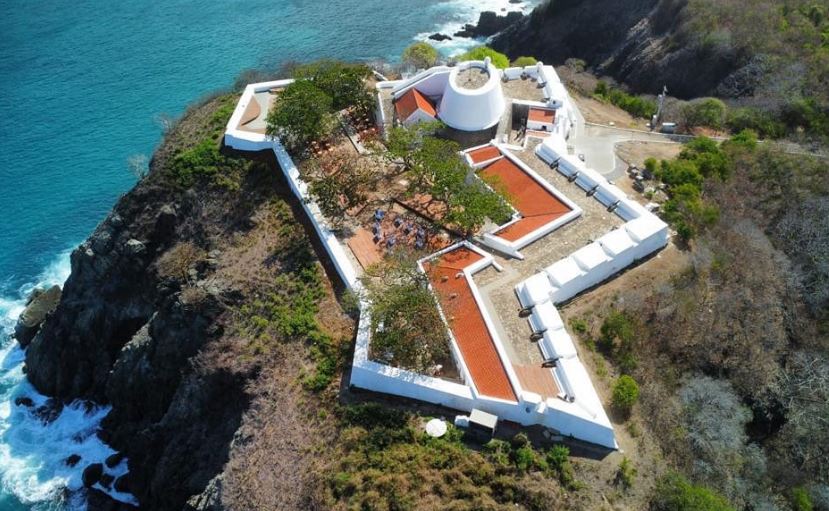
(472,109)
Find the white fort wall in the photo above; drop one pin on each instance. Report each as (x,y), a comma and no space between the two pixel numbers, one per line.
(583,419)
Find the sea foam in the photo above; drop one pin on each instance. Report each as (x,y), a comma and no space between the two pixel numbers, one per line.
(33,452)
(458,13)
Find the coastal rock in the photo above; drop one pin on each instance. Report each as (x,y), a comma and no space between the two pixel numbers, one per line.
(41,303)
(106,480)
(122,484)
(635,43)
(440,37)
(135,247)
(133,334)
(100,501)
(489,23)
(72,460)
(165,225)
(210,499)
(92,474)
(24,401)
(49,411)
(114,459)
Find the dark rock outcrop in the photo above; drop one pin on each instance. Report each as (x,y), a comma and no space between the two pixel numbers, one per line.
(636,42)
(72,460)
(489,23)
(92,474)
(114,459)
(440,37)
(106,480)
(140,326)
(40,304)
(123,484)
(100,501)
(24,401)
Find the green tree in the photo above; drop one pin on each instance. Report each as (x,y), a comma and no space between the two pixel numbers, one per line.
(435,168)
(558,461)
(764,123)
(338,192)
(343,82)
(674,493)
(801,500)
(471,204)
(407,330)
(625,394)
(618,337)
(302,113)
(626,473)
(707,156)
(709,112)
(421,55)
(524,61)
(402,143)
(499,60)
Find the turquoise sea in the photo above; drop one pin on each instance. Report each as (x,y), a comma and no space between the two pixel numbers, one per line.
(83,86)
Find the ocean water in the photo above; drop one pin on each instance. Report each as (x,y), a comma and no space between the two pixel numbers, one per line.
(83,87)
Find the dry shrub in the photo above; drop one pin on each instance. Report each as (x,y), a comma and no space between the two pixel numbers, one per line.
(178,260)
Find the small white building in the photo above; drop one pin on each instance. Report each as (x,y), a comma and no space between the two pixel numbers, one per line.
(541,119)
(413,107)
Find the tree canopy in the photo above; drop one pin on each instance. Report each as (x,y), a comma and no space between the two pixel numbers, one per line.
(435,168)
(499,60)
(343,82)
(625,393)
(675,493)
(407,330)
(338,191)
(421,55)
(302,113)
(304,110)
(524,61)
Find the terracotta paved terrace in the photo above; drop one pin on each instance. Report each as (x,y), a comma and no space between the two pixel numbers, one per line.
(467,323)
(541,115)
(535,203)
(537,379)
(486,153)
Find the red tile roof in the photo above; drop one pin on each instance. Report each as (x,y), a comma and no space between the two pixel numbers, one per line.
(412,101)
(486,153)
(540,115)
(535,203)
(467,323)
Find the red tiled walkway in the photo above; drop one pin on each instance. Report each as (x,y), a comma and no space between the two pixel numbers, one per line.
(535,203)
(467,323)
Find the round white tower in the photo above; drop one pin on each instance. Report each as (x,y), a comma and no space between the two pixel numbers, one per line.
(473,99)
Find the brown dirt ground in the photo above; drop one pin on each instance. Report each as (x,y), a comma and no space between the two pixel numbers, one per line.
(598,112)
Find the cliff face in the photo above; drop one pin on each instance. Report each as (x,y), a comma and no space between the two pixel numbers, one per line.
(152,318)
(641,43)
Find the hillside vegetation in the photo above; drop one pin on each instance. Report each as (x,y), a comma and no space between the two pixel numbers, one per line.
(732,355)
(769,58)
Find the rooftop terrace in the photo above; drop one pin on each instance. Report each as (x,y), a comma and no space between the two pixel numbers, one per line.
(472,77)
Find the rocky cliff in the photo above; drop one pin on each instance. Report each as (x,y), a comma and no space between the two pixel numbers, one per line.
(154,318)
(642,43)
